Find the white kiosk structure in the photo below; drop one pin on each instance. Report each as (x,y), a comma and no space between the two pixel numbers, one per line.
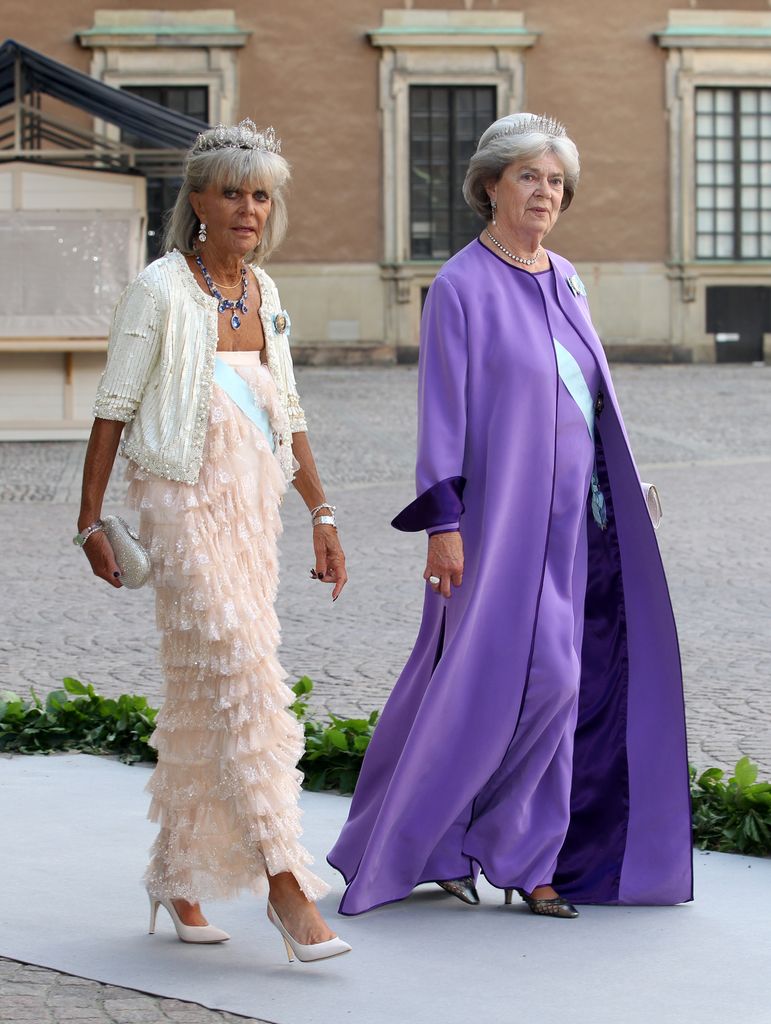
(72,232)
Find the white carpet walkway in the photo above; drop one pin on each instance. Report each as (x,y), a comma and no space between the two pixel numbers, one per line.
(73,842)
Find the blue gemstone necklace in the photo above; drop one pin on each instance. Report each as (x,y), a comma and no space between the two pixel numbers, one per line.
(226,304)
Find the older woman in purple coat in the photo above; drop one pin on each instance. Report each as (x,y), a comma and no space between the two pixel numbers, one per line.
(537,731)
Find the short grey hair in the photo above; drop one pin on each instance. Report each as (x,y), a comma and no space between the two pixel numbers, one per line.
(507,141)
(232,166)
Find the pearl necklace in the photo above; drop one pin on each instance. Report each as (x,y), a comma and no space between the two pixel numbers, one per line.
(519,259)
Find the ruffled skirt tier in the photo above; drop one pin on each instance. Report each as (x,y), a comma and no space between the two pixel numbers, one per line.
(226,787)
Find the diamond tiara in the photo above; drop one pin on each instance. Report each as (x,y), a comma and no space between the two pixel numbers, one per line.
(245,135)
(539,124)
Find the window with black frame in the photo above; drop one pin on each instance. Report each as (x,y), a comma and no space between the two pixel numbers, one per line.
(733,174)
(445,124)
(192,100)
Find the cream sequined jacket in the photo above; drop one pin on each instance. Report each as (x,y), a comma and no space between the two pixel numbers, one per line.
(160,367)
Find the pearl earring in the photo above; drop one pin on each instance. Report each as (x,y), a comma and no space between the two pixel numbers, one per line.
(202,232)
(493,207)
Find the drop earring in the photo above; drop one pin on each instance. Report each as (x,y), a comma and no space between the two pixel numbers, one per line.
(202,232)
(493,207)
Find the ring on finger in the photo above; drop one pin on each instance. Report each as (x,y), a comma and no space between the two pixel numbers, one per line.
(434,581)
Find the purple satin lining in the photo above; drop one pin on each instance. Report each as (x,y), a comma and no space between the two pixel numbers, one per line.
(439,505)
(593,852)
(444,528)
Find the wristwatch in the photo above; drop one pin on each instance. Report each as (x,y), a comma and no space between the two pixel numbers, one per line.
(80,538)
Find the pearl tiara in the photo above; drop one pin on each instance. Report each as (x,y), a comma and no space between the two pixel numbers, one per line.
(245,135)
(534,124)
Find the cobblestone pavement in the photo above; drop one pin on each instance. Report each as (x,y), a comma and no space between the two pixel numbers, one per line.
(34,995)
(701,433)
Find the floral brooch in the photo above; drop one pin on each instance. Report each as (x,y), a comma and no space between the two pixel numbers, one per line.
(576,285)
(282,323)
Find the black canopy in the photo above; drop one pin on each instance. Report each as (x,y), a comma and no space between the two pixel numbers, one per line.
(150,121)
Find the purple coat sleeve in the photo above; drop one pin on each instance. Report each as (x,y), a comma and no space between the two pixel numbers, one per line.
(442,374)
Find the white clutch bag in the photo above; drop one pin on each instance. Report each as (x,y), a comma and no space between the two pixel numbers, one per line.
(653,502)
(133,561)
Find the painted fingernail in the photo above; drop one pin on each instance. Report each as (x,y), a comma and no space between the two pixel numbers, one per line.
(321,575)
(116,575)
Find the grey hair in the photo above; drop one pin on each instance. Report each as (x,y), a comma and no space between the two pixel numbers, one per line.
(230,166)
(507,141)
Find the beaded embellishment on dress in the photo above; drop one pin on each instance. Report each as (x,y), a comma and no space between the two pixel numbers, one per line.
(225,790)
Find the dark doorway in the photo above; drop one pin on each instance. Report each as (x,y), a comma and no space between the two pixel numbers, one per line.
(738,317)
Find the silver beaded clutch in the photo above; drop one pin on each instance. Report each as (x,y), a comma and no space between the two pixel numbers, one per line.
(133,561)
(653,502)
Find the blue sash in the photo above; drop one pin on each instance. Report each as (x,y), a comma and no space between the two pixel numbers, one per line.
(575,382)
(236,388)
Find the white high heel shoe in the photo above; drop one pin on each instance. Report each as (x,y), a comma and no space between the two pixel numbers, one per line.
(186,932)
(307,953)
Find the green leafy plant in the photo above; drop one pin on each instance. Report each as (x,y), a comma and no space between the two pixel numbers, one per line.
(733,815)
(77,718)
(729,815)
(335,748)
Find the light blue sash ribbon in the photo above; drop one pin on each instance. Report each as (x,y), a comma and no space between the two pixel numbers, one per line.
(575,382)
(236,388)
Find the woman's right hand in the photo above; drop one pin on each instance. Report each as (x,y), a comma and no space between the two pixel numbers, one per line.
(99,553)
(100,456)
(445,560)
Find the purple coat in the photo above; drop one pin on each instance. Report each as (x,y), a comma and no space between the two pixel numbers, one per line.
(488,387)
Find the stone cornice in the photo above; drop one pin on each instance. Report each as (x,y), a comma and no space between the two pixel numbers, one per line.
(434,28)
(132,27)
(720,30)
(728,38)
(163,35)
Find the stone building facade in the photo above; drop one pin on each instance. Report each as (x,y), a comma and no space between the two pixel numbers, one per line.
(379,106)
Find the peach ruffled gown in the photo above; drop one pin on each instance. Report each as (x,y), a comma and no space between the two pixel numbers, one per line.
(225,790)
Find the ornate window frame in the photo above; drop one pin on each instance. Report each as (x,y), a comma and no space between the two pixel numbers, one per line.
(433,47)
(154,47)
(714,49)
(729,49)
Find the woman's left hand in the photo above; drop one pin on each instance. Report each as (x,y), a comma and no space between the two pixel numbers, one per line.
(330,559)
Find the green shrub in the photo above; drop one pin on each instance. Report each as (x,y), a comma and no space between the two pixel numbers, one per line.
(732,816)
(77,718)
(335,748)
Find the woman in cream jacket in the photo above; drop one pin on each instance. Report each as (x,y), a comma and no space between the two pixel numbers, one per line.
(199,384)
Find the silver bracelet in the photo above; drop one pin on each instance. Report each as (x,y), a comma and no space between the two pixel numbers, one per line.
(324,504)
(324,521)
(80,538)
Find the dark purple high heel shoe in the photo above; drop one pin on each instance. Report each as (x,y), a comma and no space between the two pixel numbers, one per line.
(463,888)
(554,907)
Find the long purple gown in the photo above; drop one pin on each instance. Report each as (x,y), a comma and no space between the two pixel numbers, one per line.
(537,730)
